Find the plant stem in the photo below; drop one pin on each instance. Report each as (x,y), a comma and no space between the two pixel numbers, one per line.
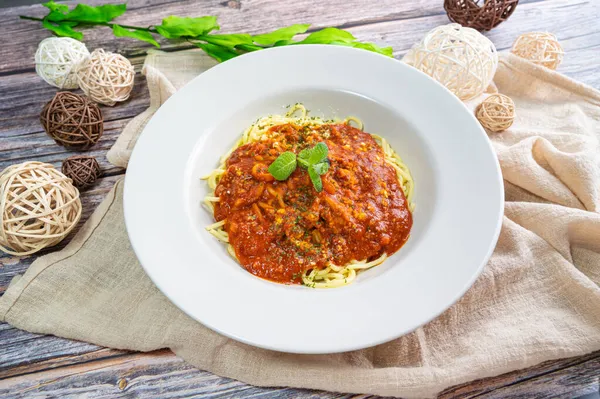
(92,23)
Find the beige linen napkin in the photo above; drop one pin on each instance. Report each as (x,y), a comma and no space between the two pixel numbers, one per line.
(537,299)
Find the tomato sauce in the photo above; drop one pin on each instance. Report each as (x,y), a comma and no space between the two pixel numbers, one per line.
(279,229)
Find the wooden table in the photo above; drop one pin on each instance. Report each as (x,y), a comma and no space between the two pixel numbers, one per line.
(33,365)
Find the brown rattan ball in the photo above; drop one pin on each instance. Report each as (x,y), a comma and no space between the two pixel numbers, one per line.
(82,169)
(72,121)
(473,14)
(496,113)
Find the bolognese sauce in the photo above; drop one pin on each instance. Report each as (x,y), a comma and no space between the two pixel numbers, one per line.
(281,229)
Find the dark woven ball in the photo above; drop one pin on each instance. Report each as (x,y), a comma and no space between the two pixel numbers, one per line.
(82,169)
(479,14)
(72,121)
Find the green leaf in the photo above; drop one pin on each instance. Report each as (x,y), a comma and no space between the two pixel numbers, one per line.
(283,166)
(174,27)
(388,51)
(52,6)
(88,14)
(248,47)
(303,157)
(283,43)
(229,41)
(105,13)
(327,36)
(282,34)
(139,34)
(315,179)
(314,155)
(321,168)
(217,52)
(63,29)
(319,153)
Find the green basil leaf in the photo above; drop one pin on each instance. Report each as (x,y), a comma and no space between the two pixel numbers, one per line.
(315,179)
(89,14)
(318,154)
(139,34)
(217,52)
(327,36)
(230,41)
(304,156)
(283,166)
(174,27)
(63,29)
(279,35)
(321,168)
(60,8)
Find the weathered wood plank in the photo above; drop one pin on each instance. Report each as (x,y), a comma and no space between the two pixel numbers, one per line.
(561,369)
(39,348)
(156,374)
(71,356)
(162,374)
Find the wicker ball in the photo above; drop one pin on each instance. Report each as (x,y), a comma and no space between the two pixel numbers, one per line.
(106,77)
(496,113)
(473,14)
(57,59)
(541,48)
(461,59)
(38,207)
(72,121)
(82,169)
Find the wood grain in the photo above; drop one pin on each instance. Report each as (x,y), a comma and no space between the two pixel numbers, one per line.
(162,374)
(156,374)
(33,365)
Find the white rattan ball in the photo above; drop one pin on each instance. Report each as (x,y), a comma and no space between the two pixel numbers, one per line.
(56,61)
(39,206)
(462,59)
(540,48)
(106,77)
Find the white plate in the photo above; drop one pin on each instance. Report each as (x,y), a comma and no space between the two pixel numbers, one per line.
(459,198)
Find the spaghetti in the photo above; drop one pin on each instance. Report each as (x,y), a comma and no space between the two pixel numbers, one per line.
(285,231)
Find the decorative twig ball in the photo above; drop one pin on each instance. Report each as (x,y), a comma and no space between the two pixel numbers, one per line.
(479,14)
(106,77)
(72,121)
(541,48)
(82,169)
(461,59)
(496,113)
(39,206)
(57,59)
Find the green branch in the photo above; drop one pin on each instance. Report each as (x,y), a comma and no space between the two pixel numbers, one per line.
(62,21)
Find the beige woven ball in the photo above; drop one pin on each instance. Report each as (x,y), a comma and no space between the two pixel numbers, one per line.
(462,59)
(39,206)
(106,77)
(496,113)
(541,48)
